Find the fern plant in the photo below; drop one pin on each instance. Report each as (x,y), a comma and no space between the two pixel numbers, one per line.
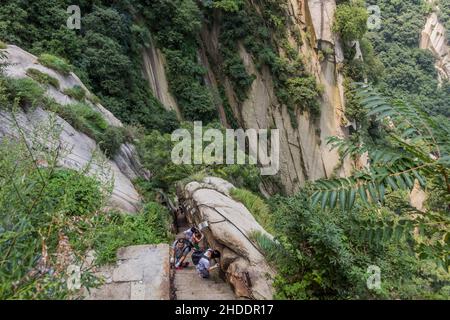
(416,148)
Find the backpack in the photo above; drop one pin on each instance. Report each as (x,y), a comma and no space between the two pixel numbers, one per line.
(196,256)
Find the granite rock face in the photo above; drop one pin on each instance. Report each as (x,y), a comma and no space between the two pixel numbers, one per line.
(434,38)
(122,169)
(154,70)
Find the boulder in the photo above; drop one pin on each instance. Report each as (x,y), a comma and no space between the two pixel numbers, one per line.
(230,228)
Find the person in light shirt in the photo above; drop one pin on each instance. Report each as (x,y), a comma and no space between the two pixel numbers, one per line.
(204,265)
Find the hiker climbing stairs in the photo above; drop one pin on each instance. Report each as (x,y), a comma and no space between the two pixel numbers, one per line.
(188,285)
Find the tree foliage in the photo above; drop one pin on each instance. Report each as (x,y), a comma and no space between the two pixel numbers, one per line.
(351,20)
(415,148)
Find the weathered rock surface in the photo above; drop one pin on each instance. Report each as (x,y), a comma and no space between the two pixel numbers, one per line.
(434,38)
(229,231)
(122,169)
(304,154)
(141,273)
(154,71)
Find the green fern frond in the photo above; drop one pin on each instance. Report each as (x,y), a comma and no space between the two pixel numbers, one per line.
(414,152)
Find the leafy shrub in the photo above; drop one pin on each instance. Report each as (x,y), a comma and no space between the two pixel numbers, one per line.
(351,20)
(37,206)
(228,5)
(43,78)
(94,99)
(194,98)
(325,255)
(259,209)
(56,63)
(68,192)
(234,68)
(76,92)
(111,140)
(117,230)
(83,118)
(3,45)
(27,91)
(40,207)
(305,92)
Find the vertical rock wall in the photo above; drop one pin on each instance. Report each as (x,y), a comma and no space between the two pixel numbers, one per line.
(434,38)
(304,153)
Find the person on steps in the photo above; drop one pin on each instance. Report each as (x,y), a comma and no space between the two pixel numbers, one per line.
(204,264)
(194,236)
(180,249)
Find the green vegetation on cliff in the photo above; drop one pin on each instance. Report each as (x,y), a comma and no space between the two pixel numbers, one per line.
(48,214)
(105,53)
(409,71)
(50,217)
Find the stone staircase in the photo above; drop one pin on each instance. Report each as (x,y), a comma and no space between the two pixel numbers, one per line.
(188,285)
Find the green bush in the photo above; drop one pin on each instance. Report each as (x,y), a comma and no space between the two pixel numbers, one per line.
(26,91)
(259,209)
(114,231)
(37,207)
(325,254)
(83,118)
(351,20)
(56,63)
(76,92)
(305,92)
(43,78)
(228,5)
(111,140)
(42,207)
(234,68)
(3,45)
(94,99)
(68,192)
(194,98)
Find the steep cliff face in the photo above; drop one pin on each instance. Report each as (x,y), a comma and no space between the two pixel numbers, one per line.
(434,38)
(81,149)
(154,62)
(304,153)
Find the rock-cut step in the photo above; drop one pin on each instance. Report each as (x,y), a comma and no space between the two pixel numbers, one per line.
(190,286)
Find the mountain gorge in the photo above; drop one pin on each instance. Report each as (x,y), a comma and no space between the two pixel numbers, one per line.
(88,114)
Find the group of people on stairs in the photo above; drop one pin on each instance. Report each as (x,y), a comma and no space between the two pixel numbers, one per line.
(190,241)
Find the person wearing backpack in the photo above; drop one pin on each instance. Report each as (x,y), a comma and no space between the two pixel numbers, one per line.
(203,264)
(180,249)
(194,237)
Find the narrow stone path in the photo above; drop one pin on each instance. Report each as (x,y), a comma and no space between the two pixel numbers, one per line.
(189,286)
